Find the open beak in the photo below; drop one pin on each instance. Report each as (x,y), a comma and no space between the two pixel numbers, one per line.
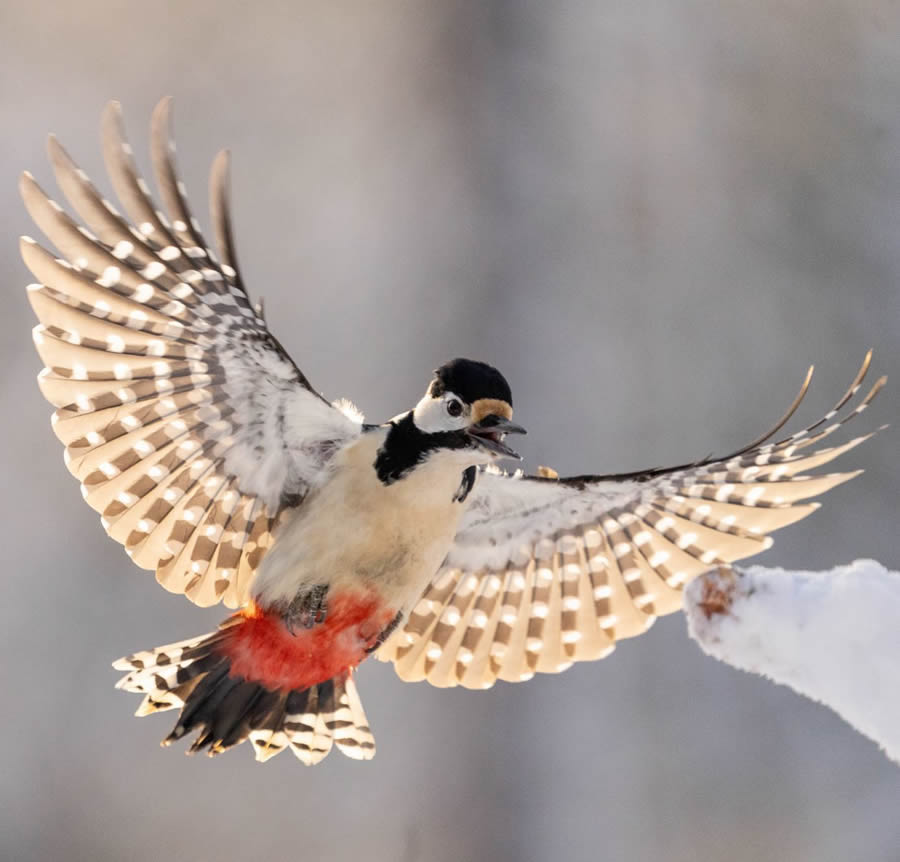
(489,434)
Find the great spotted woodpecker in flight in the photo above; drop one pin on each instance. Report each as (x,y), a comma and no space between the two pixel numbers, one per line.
(214,462)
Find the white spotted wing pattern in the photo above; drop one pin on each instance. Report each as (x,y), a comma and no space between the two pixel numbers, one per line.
(189,427)
(545,572)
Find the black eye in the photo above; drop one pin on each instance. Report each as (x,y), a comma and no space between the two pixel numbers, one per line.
(454,408)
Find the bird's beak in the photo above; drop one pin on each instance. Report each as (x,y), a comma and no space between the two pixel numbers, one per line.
(489,434)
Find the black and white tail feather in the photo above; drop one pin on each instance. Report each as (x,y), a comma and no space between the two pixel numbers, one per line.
(224,710)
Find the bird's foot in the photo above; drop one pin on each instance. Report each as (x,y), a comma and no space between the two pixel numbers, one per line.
(308,609)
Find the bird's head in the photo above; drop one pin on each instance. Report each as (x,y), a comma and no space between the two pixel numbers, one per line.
(467,409)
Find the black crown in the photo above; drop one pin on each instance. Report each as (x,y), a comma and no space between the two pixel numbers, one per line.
(470,380)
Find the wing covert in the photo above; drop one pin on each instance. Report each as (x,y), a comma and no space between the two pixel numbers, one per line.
(189,427)
(545,572)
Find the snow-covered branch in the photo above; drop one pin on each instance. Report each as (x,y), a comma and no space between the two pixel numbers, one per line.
(833,636)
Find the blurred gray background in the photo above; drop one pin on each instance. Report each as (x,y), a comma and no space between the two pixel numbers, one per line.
(651,217)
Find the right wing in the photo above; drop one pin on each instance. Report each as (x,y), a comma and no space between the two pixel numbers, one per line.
(188,425)
(545,572)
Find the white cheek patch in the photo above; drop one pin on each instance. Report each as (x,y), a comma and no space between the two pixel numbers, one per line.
(431,416)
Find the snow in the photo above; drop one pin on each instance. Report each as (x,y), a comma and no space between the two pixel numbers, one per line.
(833,636)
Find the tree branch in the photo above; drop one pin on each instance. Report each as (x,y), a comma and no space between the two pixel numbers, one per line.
(833,636)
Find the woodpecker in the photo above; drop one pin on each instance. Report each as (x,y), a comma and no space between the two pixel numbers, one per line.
(212,459)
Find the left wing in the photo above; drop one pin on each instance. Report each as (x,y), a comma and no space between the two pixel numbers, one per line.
(190,429)
(545,572)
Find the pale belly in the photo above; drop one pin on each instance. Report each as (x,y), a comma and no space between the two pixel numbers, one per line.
(356,534)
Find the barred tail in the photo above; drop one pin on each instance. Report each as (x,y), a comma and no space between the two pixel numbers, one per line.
(195,676)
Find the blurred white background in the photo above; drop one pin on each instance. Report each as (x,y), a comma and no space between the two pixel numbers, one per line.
(652,217)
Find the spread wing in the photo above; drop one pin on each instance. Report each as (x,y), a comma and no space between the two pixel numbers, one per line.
(545,572)
(189,427)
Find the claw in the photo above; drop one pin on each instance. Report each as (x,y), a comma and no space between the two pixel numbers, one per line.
(309,608)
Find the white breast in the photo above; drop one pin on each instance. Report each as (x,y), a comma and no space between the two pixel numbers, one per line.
(356,532)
